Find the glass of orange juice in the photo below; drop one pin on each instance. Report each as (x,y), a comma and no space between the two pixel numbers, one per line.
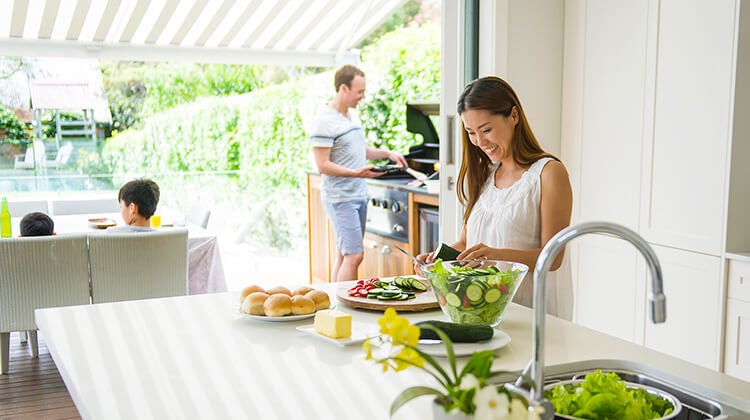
(156,221)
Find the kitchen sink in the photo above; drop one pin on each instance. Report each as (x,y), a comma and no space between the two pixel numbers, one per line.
(697,401)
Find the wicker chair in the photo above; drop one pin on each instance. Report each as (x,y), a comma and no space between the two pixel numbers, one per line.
(39,272)
(132,266)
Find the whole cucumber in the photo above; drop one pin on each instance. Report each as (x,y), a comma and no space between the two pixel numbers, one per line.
(458,333)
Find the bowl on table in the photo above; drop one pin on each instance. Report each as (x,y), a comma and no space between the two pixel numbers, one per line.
(475,292)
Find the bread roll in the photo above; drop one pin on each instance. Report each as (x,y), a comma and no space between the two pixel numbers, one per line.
(302,290)
(250,289)
(277,305)
(253,303)
(302,305)
(321,299)
(279,289)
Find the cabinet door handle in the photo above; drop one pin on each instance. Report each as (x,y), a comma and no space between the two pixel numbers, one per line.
(449,140)
(386,249)
(374,245)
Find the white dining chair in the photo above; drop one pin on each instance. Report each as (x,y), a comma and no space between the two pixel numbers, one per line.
(142,265)
(39,272)
(199,215)
(84,206)
(21,208)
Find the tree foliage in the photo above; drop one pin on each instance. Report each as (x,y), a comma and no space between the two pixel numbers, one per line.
(136,89)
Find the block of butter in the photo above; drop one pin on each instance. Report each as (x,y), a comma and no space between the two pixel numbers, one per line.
(333,324)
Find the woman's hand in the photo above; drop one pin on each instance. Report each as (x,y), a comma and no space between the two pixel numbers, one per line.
(480,251)
(425,258)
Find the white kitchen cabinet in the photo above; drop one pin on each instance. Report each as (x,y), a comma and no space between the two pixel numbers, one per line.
(604,157)
(737,342)
(685,200)
(738,278)
(693,288)
(607,286)
(612,111)
(737,346)
(653,134)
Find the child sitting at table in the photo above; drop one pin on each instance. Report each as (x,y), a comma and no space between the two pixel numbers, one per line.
(138,200)
(37,224)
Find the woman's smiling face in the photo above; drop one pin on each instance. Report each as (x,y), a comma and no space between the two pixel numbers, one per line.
(493,133)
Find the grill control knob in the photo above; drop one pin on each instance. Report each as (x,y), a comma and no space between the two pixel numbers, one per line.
(374,201)
(398,228)
(396,207)
(384,204)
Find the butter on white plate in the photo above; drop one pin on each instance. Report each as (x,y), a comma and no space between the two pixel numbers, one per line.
(360,333)
(333,324)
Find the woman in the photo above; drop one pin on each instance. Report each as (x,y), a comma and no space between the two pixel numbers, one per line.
(515,194)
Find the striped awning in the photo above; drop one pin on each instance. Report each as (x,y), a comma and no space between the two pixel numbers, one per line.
(285,32)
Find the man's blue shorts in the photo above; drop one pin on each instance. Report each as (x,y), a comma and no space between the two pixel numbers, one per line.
(348,219)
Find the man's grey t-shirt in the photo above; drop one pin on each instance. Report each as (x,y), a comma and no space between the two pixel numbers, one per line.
(345,138)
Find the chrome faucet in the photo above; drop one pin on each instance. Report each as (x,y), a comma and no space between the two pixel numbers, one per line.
(543,263)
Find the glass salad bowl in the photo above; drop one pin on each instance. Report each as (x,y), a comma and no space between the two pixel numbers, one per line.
(475,292)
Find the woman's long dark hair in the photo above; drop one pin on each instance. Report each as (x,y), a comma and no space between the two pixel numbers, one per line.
(495,95)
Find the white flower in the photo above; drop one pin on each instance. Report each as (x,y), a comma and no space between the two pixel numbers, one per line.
(494,405)
(491,404)
(519,411)
(468,382)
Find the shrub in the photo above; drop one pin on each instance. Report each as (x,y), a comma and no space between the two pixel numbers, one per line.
(12,130)
(407,63)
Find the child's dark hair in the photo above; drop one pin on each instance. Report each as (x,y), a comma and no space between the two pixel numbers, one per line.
(144,193)
(37,224)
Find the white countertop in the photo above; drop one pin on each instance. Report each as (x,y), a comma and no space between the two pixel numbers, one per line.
(195,357)
(740,256)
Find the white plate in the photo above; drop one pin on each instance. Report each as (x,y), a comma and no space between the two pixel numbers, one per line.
(360,333)
(499,339)
(285,318)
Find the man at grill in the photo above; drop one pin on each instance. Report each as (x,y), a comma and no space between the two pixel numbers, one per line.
(341,154)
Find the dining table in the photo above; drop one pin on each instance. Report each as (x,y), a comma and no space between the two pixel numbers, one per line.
(196,357)
(205,268)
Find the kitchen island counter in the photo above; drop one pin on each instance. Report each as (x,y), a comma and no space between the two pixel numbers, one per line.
(196,357)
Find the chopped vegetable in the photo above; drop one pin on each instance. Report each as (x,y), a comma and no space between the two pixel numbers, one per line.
(400,288)
(473,295)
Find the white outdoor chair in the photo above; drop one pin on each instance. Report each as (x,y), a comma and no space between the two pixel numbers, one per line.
(34,154)
(39,272)
(139,265)
(198,215)
(95,205)
(62,157)
(21,208)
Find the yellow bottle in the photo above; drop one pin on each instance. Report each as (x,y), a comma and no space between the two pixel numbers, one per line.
(5,220)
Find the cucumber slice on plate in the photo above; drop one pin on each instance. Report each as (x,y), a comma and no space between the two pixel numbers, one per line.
(417,285)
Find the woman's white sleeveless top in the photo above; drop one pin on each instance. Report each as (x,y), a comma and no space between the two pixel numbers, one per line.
(511,218)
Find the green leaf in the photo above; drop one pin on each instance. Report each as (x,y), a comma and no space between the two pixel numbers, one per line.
(409,394)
